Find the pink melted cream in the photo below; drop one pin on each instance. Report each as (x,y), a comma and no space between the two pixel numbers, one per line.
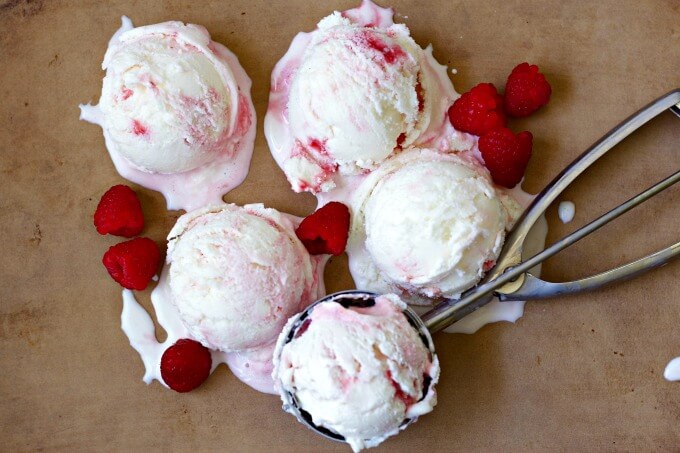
(253,367)
(206,184)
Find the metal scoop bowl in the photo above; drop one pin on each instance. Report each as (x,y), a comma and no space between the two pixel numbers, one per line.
(351,298)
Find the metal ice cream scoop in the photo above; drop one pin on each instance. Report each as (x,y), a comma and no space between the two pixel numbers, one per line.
(510,279)
(348,299)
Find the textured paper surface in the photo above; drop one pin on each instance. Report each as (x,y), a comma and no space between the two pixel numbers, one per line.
(577,373)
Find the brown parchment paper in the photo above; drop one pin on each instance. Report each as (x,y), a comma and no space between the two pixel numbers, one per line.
(575,373)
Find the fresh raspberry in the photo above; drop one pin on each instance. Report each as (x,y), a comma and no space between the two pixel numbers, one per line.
(506,155)
(526,90)
(326,230)
(185,365)
(132,263)
(119,213)
(478,111)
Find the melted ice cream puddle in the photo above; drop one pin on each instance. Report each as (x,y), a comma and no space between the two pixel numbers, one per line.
(672,371)
(566,211)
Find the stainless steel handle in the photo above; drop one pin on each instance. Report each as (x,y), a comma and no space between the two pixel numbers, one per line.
(535,288)
(512,250)
(510,268)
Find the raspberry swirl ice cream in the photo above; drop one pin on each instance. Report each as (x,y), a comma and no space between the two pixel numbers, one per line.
(427,225)
(176,112)
(357,367)
(232,278)
(349,94)
(236,274)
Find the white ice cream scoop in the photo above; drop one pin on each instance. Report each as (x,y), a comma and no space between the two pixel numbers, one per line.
(351,93)
(236,274)
(354,353)
(510,279)
(176,112)
(169,102)
(357,353)
(425,223)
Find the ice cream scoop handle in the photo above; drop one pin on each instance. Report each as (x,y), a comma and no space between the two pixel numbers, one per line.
(512,250)
(535,288)
(522,286)
(510,268)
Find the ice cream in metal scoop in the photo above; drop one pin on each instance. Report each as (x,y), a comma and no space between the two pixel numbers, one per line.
(357,367)
(333,403)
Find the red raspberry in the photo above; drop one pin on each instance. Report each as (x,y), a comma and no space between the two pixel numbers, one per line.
(119,213)
(132,263)
(526,90)
(506,155)
(185,365)
(326,230)
(478,111)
